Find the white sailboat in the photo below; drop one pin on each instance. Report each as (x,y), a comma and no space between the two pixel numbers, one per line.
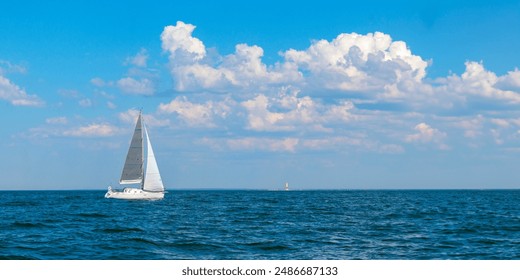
(138,170)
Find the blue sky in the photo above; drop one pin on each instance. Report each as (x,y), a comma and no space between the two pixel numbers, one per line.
(379,94)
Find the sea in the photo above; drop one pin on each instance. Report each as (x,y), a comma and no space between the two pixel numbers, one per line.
(262,225)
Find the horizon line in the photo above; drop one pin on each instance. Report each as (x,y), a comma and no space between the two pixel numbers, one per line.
(283,190)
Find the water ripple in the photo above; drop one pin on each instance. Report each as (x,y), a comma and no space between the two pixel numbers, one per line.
(263,225)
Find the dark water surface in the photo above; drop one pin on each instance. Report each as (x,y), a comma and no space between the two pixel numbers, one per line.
(395,224)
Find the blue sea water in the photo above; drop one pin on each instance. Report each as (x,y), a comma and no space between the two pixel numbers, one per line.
(382,224)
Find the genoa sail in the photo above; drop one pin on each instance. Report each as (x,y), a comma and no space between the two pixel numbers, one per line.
(152,177)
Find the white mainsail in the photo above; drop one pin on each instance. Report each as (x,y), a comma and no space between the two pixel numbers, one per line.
(152,177)
(133,169)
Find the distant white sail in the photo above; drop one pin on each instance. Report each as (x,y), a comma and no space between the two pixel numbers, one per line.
(152,177)
(133,169)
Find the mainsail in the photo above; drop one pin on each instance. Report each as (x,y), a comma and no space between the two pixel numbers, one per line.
(152,178)
(133,169)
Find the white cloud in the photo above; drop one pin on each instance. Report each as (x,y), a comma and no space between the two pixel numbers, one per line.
(199,76)
(427,134)
(372,64)
(140,59)
(137,81)
(287,111)
(177,40)
(63,127)
(309,94)
(130,85)
(130,116)
(500,122)
(242,69)
(477,81)
(57,120)
(424,134)
(511,81)
(17,96)
(259,116)
(354,62)
(93,130)
(197,114)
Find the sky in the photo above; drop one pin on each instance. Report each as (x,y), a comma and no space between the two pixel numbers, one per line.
(340,94)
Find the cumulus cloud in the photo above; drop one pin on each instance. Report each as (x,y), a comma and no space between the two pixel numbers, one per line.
(354,62)
(330,87)
(427,134)
(373,64)
(477,81)
(177,40)
(197,114)
(288,111)
(16,95)
(350,62)
(510,81)
(259,116)
(242,69)
(293,113)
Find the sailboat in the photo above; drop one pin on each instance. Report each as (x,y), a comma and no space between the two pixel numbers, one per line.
(139,171)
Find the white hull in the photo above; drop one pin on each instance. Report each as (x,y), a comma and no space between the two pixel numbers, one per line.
(133,193)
